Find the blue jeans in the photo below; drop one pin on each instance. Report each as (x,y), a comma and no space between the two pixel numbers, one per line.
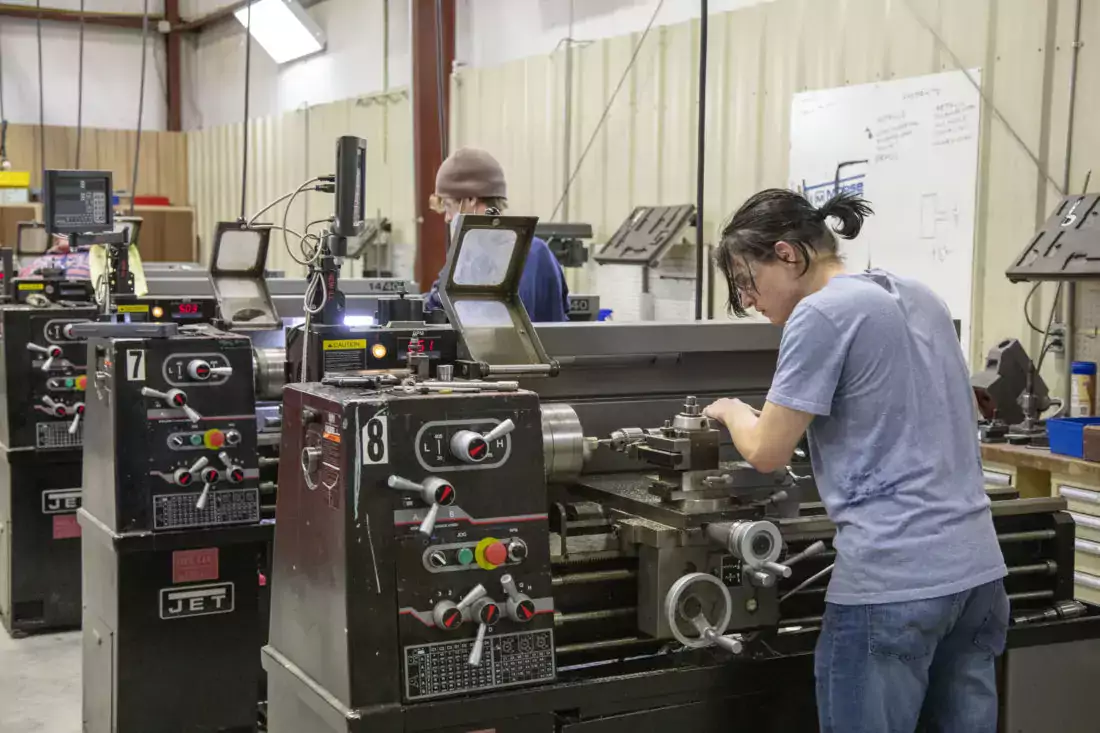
(888,667)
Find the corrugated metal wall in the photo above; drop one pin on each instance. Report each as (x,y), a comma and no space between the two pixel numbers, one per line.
(288,149)
(759,57)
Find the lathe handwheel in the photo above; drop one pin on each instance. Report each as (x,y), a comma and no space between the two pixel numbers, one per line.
(680,592)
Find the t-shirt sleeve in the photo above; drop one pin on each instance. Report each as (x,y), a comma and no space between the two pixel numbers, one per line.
(811,358)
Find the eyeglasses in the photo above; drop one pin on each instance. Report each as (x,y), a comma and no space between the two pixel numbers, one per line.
(745,282)
(442,204)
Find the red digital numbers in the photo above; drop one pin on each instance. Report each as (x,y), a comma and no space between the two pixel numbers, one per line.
(189,309)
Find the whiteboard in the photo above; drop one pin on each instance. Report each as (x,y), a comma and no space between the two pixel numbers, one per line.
(910,147)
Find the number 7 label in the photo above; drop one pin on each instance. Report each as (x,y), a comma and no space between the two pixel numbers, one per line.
(135,365)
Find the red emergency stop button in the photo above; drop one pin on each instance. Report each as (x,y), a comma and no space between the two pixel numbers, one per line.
(491,553)
(82,383)
(213,439)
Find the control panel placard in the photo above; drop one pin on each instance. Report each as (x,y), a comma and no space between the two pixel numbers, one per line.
(442,668)
(226,506)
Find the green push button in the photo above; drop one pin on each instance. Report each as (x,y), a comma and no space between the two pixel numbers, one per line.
(465,556)
(196,439)
(69,383)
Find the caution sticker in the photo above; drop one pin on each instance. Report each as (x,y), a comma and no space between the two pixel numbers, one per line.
(345,344)
(139,308)
(32,286)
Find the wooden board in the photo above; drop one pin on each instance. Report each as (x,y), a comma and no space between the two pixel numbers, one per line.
(163,170)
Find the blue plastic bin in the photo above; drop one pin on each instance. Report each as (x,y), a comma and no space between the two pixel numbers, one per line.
(1067,435)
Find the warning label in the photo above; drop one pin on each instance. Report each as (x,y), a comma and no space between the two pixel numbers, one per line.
(345,344)
(65,527)
(191,566)
(345,355)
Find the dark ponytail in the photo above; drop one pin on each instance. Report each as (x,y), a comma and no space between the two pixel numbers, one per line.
(778,215)
(850,210)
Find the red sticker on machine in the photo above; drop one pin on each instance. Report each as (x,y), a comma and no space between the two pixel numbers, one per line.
(192,566)
(65,526)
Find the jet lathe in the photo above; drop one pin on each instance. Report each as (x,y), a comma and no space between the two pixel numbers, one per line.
(578,553)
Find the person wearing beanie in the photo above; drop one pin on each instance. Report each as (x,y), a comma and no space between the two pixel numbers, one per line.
(471,181)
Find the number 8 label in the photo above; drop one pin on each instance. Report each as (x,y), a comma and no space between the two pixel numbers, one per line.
(376,441)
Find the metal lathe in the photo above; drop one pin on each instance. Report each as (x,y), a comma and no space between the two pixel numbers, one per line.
(542,532)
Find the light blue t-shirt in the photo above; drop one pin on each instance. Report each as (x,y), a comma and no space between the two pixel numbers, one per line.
(893,442)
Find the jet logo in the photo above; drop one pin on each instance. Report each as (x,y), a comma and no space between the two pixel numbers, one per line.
(60,501)
(196,600)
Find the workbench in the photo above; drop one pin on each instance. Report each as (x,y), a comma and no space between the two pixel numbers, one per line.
(1036,472)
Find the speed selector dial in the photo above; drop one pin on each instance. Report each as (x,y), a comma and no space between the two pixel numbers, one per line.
(51,352)
(201,370)
(233,472)
(176,398)
(433,491)
(520,607)
(449,615)
(472,447)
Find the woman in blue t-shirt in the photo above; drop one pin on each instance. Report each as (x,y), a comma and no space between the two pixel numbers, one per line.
(871,369)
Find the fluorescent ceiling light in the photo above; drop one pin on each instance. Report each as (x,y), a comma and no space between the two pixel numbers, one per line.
(283,28)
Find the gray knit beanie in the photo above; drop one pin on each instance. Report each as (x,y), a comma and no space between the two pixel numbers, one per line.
(470,173)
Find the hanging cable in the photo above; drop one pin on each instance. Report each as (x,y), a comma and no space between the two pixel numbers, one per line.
(700,163)
(3,117)
(247,87)
(141,104)
(439,80)
(41,97)
(607,109)
(80,87)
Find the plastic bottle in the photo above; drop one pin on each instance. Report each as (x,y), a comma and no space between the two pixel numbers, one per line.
(1083,389)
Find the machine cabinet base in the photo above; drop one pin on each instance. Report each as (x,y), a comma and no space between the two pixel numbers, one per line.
(39,540)
(172,629)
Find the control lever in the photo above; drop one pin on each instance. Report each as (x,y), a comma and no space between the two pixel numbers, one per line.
(233,472)
(175,398)
(485,611)
(184,476)
(469,446)
(210,476)
(78,408)
(56,408)
(435,492)
(520,607)
(449,615)
(52,352)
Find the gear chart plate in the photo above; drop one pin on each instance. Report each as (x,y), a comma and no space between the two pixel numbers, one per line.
(442,668)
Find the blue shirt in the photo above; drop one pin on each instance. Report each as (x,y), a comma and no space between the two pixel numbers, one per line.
(542,286)
(894,439)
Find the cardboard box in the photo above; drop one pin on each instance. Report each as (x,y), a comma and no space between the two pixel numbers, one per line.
(11,215)
(167,233)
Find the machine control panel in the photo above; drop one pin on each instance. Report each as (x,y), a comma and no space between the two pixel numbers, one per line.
(477,608)
(179,443)
(45,376)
